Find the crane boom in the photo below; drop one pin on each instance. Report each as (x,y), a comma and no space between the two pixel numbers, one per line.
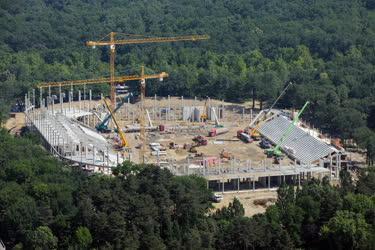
(276,150)
(148,40)
(262,114)
(124,142)
(101,80)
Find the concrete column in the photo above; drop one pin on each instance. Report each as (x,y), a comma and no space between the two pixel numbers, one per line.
(93,155)
(70,100)
(90,99)
(34,98)
(254,185)
(169,107)
(79,100)
(61,99)
(107,157)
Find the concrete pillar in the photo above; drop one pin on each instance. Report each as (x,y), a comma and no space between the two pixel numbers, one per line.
(93,155)
(70,100)
(169,107)
(79,100)
(61,99)
(34,98)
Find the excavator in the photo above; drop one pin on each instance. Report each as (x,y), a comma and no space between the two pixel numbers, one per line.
(276,151)
(123,142)
(103,126)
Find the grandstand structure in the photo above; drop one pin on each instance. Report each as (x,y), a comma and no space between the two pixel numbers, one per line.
(303,146)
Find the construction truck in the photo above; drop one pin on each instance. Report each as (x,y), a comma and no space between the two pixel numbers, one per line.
(217,131)
(276,151)
(265,144)
(243,136)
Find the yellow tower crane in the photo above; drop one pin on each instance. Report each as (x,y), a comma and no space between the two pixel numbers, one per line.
(104,80)
(137,39)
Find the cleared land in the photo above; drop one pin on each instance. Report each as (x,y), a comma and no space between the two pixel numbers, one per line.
(250,200)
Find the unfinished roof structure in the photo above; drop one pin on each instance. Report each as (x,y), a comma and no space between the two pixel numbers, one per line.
(299,144)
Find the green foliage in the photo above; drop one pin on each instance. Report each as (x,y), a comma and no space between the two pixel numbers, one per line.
(83,238)
(366,181)
(42,238)
(347,230)
(234,209)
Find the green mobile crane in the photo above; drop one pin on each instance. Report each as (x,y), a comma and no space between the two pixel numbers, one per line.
(276,152)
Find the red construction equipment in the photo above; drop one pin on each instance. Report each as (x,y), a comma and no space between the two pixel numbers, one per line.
(217,131)
(200,141)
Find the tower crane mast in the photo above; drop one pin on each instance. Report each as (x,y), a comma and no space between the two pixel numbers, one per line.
(137,40)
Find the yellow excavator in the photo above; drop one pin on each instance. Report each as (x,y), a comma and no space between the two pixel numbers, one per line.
(124,142)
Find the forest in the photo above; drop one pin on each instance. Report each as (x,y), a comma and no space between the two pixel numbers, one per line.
(46,205)
(325,47)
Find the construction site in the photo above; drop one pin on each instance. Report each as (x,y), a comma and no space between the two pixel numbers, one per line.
(234,146)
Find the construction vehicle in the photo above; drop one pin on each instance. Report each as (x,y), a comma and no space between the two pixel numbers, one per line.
(243,136)
(276,151)
(200,141)
(103,126)
(124,142)
(262,116)
(217,131)
(265,144)
(133,39)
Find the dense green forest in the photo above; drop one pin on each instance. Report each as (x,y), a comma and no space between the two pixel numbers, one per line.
(326,47)
(45,205)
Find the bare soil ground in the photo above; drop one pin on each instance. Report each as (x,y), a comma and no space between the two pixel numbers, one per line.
(15,123)
(248,198)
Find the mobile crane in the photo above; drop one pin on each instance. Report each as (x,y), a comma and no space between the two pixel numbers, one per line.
(276,152)
(124,142)
(103,126)
(254,133)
